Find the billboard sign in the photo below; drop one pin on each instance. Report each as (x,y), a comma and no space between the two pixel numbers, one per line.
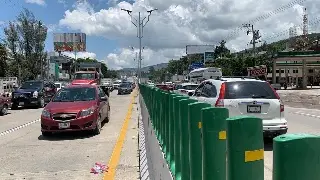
(69,42)
(208,56)
(199,49)
(197,65)
(257,70)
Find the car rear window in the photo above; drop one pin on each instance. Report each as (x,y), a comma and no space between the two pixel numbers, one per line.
(249,89)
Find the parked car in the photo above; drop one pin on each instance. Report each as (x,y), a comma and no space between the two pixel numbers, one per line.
(5,104)
(33,93)
(76,108)
(124,88)
(245,96)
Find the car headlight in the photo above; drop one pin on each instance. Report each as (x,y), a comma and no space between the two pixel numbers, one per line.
(45,113)
(87,112)
(35,94)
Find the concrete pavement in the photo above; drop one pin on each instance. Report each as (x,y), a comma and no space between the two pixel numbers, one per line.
(300,120)
(26,154)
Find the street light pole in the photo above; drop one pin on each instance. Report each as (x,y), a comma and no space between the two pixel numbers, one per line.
(140,24)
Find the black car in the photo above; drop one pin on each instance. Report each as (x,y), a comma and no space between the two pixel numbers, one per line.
(33,93)
(124,88)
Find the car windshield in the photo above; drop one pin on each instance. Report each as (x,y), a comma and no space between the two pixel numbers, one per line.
(190,87)
(249,89)
(124,85)
(58,85)
(75,94)
(84,76)
(31,85)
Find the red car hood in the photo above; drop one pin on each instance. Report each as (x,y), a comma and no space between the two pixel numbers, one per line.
(69,107)
(83,81)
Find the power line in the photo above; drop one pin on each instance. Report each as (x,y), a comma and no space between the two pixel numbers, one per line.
(263,17)
(255,37)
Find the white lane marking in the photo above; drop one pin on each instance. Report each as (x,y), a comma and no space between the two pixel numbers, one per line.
(18,127)
(294,108)
(305,114)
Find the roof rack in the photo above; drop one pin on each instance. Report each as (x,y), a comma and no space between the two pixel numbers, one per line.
(242,77)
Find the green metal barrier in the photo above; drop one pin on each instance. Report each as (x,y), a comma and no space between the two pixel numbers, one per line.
(245,148)
(170,128)
(296,157)
(194,126)
(184,134)
(176,132)
(195,138)
(214,136)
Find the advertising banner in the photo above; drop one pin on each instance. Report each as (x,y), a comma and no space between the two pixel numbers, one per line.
(69,42)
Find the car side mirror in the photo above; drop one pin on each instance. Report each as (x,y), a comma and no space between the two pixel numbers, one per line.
(190,93)
(103,99)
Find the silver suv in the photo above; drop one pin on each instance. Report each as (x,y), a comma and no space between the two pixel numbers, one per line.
(246,96)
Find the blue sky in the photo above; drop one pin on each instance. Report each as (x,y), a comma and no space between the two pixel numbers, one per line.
(175,24)
(51,13)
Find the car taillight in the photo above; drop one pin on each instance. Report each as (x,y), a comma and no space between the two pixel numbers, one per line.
(220,100)
(278,97)
(281,108)
(274,91)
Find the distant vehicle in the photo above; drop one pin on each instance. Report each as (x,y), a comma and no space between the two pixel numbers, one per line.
(116,84)
(76,108)
(87,73)
(246,96)
(198,75)
(60,85)
(33,93)
(124,88)
(185,88)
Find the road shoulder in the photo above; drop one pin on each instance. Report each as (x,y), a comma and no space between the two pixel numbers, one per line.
(128,167)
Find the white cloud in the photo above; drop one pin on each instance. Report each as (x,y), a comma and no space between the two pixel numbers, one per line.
(39,2)
(178,23)
(80,54)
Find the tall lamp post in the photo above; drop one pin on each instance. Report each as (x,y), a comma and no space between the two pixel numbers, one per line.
(140,24)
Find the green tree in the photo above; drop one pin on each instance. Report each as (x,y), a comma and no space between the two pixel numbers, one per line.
(25,40)
(3,60)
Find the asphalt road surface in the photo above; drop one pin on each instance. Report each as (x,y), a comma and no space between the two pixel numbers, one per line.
(26,154)
(300,120)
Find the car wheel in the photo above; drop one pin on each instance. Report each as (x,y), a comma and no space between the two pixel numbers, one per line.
(108,116)
(41,102)
(4,110)
(46,134)
(97,130)
(14,106)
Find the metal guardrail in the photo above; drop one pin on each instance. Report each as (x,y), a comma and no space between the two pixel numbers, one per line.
(193,139)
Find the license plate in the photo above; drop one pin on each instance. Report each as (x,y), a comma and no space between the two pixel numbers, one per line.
(64,125)
(254,109)
(21,103)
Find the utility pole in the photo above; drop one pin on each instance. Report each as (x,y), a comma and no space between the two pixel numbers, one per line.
(255,37)
(135,59)
(140,24)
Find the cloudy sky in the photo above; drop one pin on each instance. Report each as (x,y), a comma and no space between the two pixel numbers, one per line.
(175,24)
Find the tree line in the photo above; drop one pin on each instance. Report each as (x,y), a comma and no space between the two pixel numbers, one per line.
(233,64)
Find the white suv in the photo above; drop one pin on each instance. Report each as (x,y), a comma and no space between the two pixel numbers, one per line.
(246,96)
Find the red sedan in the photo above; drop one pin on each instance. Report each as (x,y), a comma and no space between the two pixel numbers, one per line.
(76,108)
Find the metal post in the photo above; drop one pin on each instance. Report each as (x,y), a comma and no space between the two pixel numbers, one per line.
(140,26)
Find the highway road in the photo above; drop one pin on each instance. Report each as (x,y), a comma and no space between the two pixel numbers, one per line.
(26,154)
(300,120)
